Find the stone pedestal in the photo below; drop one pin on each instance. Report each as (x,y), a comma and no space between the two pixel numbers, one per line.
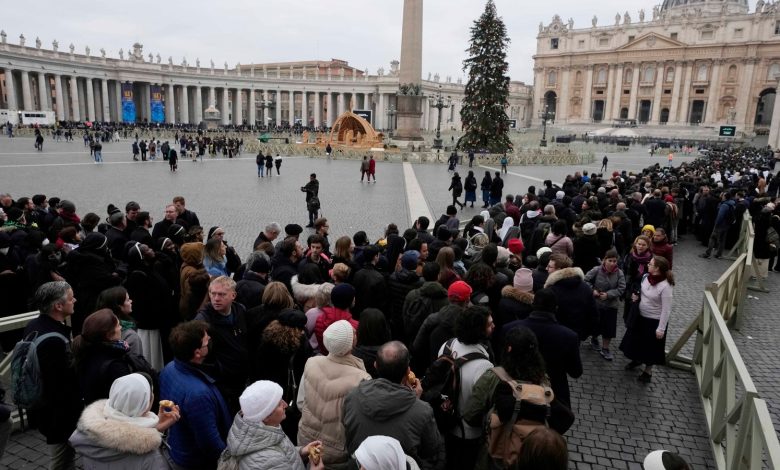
(408,114)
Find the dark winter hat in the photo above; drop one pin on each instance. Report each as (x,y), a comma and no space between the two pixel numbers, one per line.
(14,213)
(260,265)
(293,230)
(94,241)
(211,231)
(112,209)
(133,250)
(409,260)
(67,206)
(443,233)
(292,318)
(342,296)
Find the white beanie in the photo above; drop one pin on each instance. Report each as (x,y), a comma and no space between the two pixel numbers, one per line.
(381,453)
(338,338)
(259,400)
(543,250)
(559,195)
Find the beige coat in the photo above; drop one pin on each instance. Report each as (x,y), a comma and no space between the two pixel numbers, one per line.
(326,382)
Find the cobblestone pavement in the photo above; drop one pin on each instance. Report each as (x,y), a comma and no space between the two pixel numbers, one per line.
(618,419)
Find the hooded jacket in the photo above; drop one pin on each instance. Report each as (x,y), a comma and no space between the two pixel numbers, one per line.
(111,443)
(380,407)
(193,280)
(576,306)
(256,445)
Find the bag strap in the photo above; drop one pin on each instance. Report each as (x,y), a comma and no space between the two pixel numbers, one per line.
(556,241)
(42,338)
(501,373)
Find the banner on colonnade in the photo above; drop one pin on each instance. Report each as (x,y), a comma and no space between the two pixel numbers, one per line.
(158,111)
(128,105)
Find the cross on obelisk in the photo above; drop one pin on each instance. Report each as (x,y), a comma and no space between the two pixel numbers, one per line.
(409,107)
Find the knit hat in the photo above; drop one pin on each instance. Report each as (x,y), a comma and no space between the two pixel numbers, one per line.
(589,229)
(338,337)
(524,280)
(648,227)
(515,246)
(14,213)
(260,399)
(67,206)
(559,195)
(543,250)
(381,453)
(443,233)
(293,230)
(669,198)
(292,318)
(260,265)
(342,296)
(409,260)
(459,291)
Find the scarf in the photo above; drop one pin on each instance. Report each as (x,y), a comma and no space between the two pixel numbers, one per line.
(654,279)
(641,260)
(70,217)
(609,271)
(127,325)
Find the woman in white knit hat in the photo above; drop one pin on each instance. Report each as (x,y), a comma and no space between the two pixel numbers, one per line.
(256,439)
(383,453)
(326,382)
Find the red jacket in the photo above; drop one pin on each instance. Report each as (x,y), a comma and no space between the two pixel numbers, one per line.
(329,316)
(371,165)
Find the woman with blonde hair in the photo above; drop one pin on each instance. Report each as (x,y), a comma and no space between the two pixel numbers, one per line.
(322,299)
(276,298)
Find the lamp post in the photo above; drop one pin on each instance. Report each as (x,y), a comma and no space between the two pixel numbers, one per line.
(391,112)
(545,115)
(439,103)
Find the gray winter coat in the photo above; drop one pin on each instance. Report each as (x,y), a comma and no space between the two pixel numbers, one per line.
(259,446)
(108,443)
(380,407)
(614,284)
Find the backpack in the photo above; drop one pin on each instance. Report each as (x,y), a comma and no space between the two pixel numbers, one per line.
(441,387)
(531,411)
(413,317)
(772,237)
(26,377)
(313,204)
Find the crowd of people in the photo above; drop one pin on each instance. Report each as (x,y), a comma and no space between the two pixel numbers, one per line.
(400,352)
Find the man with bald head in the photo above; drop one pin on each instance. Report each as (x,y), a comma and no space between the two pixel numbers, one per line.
(389,405)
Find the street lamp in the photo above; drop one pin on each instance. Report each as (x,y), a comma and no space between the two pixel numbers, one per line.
(391,112)
(439,103)
(545,115)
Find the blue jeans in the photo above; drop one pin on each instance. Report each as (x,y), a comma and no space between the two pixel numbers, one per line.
(98,156)
(260,170)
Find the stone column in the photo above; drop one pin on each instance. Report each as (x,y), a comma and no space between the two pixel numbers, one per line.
(238,107)
(170,105)
(304,108)
(341,104)
(82,99)
(660,70)
(586,101)
(266,110)
(44,92)
(10,89)
(291,107)
(60,98)
(610,94)
(317,109)
(212,97)
(637,69)
(74,98)
(380,112)
(184,106)
(411,42)
(426,115)
(252,106)
(774,126)
(710,116)
(104,100)
(225,106)
(148,101)
(562,114)
(744,99)
(118,100)
(618,95)
(198,104)
(26,93)
(278,107)
(538,95)
(678,78)
(686,93)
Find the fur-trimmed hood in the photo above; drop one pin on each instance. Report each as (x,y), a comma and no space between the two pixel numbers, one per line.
(102,439)
(303,292)
(513,293)
(565,273)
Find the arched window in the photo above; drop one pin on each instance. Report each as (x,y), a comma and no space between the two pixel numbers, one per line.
(701,74)
(773,72)
(552,78)
(732,75)
(649,74)
(578,77)
(628,76)
(601,76)
(670,74)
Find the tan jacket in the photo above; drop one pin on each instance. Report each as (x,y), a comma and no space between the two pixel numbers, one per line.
(326,382)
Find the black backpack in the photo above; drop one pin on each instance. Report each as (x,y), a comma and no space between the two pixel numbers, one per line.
(441,387)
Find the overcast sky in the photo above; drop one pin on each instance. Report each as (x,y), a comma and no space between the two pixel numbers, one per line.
(365,33)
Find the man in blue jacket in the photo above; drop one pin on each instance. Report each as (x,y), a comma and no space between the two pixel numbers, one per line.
(198,439)
(725,218)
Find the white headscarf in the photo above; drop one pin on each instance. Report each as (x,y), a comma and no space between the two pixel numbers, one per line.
(508,223)
(129,401)
(381,453)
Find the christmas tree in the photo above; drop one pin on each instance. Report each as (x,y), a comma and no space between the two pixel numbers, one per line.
(483,114)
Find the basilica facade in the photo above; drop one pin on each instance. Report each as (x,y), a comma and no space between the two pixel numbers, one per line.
(685,62)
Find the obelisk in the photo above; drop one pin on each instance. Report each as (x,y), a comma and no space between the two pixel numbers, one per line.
(409,106)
